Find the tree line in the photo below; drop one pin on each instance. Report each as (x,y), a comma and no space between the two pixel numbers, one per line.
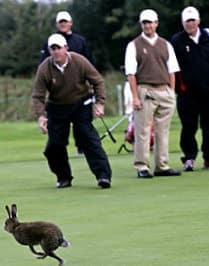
(107,25)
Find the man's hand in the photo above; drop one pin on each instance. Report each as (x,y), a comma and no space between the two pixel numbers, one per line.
(99,110)
(137,103)
(42,121)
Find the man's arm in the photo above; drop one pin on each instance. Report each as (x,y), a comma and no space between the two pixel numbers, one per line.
(130,70)
(173,66)
(38,95)
(172,80)
(38,100)
(97,84)
(134,90)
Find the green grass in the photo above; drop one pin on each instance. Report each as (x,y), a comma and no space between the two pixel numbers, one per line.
(23,141)
(157,222)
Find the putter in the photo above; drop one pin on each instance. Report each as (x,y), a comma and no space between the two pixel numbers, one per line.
(113,127)
(107,131)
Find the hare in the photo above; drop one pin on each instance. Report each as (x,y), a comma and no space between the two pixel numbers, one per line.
(45,234)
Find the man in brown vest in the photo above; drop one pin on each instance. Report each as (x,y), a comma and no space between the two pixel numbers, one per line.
(150,64)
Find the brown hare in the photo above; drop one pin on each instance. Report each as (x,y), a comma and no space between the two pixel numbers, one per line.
(45,234)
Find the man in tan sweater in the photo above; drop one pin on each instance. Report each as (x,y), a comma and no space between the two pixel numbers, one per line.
(150,64)
(62,95)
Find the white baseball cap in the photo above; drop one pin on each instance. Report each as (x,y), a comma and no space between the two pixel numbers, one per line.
(57,39)
(148,15)
(190,12)
(63,15)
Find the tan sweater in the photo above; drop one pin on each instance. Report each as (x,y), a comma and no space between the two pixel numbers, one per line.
(152,62)
(68,87)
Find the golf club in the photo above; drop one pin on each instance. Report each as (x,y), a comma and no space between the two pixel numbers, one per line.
(113,127)
(108,132)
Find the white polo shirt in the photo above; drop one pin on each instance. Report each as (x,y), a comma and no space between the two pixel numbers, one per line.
(197,36)
(131,62)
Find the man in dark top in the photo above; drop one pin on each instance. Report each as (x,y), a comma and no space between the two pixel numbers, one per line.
(192,50)
(76,43)
(66,79)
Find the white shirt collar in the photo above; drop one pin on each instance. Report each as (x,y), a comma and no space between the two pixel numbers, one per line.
(62,67)
(152,40)
(196,37)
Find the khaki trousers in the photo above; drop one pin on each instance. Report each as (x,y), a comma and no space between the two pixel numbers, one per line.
(158,105)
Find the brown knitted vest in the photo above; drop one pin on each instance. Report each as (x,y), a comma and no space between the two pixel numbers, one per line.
(152,62)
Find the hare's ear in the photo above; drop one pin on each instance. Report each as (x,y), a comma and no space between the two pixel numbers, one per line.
(14,210)
(8,211)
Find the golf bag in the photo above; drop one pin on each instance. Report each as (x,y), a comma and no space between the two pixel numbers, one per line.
(129,133)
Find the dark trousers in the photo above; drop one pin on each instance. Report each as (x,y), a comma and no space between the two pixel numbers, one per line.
(59,119)
(193,111)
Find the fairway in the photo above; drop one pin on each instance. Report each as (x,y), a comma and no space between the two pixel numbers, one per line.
(156,222)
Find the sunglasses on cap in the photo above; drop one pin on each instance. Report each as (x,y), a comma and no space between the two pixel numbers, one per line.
(55,47)
(190,19)
(146,21)
(62,20)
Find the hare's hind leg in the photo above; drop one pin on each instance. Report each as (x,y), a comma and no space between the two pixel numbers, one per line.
(53,255)
(36,252)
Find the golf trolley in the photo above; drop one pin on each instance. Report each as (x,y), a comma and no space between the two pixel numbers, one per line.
(129,133)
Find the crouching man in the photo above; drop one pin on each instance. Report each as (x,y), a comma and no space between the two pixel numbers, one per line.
(62,89)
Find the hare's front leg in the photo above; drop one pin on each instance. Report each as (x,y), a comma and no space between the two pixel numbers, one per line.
(36,252)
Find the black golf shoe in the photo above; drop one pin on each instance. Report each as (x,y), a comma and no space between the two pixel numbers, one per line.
(64,183)
(144,174)
(104,183)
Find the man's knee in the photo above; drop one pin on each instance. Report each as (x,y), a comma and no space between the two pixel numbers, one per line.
(55,151)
